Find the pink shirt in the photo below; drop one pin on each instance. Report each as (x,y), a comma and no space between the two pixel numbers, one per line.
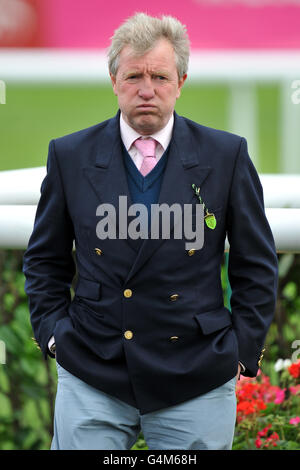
(129,135)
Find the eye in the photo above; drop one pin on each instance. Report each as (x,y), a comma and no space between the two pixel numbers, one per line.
(133,77)
(160,77)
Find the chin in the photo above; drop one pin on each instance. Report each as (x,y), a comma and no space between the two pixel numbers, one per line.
(146,126)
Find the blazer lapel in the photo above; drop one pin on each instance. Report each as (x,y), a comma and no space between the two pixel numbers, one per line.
(108,177)
(182,170)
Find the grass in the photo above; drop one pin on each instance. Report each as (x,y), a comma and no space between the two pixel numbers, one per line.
(34,114)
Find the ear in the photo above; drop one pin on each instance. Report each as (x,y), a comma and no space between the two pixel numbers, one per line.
(114,83)
(180,85)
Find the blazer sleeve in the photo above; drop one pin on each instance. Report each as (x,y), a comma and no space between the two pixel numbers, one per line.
(48,263)
(253,263)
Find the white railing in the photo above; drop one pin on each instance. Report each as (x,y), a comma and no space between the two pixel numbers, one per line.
(21,187)
(20,191)
(240,71)
(90,66)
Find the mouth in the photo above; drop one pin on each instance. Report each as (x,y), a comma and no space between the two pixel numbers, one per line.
(146,107)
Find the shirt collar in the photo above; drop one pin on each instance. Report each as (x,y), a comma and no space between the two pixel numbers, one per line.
(129,135)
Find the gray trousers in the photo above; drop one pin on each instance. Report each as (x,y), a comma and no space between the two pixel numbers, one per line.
(88,419)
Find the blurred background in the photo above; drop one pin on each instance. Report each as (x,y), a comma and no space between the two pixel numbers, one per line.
(244,77)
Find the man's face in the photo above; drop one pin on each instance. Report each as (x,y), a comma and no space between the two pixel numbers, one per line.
(147,87)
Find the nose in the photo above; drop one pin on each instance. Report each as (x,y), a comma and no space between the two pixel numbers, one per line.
(146,89)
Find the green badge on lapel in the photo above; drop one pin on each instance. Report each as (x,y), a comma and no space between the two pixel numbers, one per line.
(209,218)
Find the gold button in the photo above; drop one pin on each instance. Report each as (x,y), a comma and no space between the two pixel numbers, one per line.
(174,297)
(128,334)
(98,251)
(174,338)
(127,293)
(191,252)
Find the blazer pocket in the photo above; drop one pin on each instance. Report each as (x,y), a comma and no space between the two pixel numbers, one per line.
(214,320)
(88,289)
(87,296)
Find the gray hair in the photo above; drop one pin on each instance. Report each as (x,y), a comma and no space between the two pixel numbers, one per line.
(142,31)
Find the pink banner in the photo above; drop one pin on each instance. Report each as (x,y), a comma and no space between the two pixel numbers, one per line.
(211,24)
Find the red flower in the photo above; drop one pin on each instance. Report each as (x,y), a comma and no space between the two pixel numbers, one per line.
(258,443)
(248,407)
(294,370)
(268,441)
(252,396)
(264,432)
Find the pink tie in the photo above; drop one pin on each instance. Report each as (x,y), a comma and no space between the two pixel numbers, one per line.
(147,149)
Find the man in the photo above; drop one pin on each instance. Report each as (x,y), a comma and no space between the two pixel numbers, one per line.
(146,343)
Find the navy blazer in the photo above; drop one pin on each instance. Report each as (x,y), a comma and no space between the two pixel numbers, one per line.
(182,341)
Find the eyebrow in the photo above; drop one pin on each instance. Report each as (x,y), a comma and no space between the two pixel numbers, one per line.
(140,72)
(131,72)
